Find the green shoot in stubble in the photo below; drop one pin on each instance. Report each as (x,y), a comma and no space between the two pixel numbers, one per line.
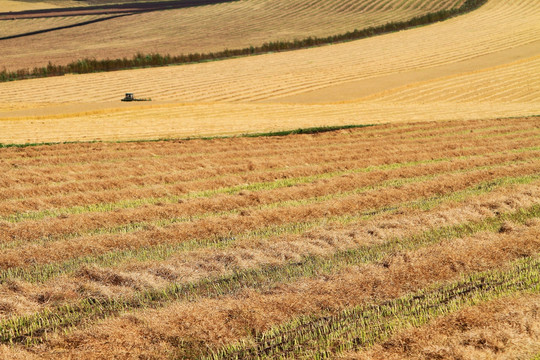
(44,272)
(276,184)
(360,327)
(33,328)
(161,223)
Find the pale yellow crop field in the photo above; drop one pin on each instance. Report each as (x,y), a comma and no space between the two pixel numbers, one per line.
(209,28)
(509,83)
(276,75)
(214,119)
(470,60)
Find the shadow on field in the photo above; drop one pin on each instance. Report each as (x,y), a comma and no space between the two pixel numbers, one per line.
(130,7)
(117,10)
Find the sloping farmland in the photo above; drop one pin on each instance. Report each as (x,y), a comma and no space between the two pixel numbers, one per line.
(299,246)
(459,57)
(210,28)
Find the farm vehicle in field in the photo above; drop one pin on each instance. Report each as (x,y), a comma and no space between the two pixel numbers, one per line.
(131,97)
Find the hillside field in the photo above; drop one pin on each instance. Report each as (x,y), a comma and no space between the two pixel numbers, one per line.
(210,28)
(228,246)
(348,83)
(370,199)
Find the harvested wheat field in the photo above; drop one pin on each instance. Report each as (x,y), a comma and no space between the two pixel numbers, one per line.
(299,246)
(462,68)
(400,221)
(235,24)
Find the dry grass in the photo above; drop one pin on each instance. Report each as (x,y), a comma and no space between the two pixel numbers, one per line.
(484,82)
(134,192)
(300,225)
(185,329)
(508,328)
(198,210)
(233,25)
(254,250)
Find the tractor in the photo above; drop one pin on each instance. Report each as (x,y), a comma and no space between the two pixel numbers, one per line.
(131,97)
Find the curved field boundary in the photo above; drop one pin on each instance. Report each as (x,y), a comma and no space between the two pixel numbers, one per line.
(309,130)
(273,76)
(144,60)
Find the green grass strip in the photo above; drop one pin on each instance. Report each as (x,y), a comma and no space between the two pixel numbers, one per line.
(32,328)
(44,272)
(231,190)
(318,337)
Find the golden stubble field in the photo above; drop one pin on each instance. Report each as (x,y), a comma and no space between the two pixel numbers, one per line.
(469,69)
(209,28)
(414,236)
(296,246)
